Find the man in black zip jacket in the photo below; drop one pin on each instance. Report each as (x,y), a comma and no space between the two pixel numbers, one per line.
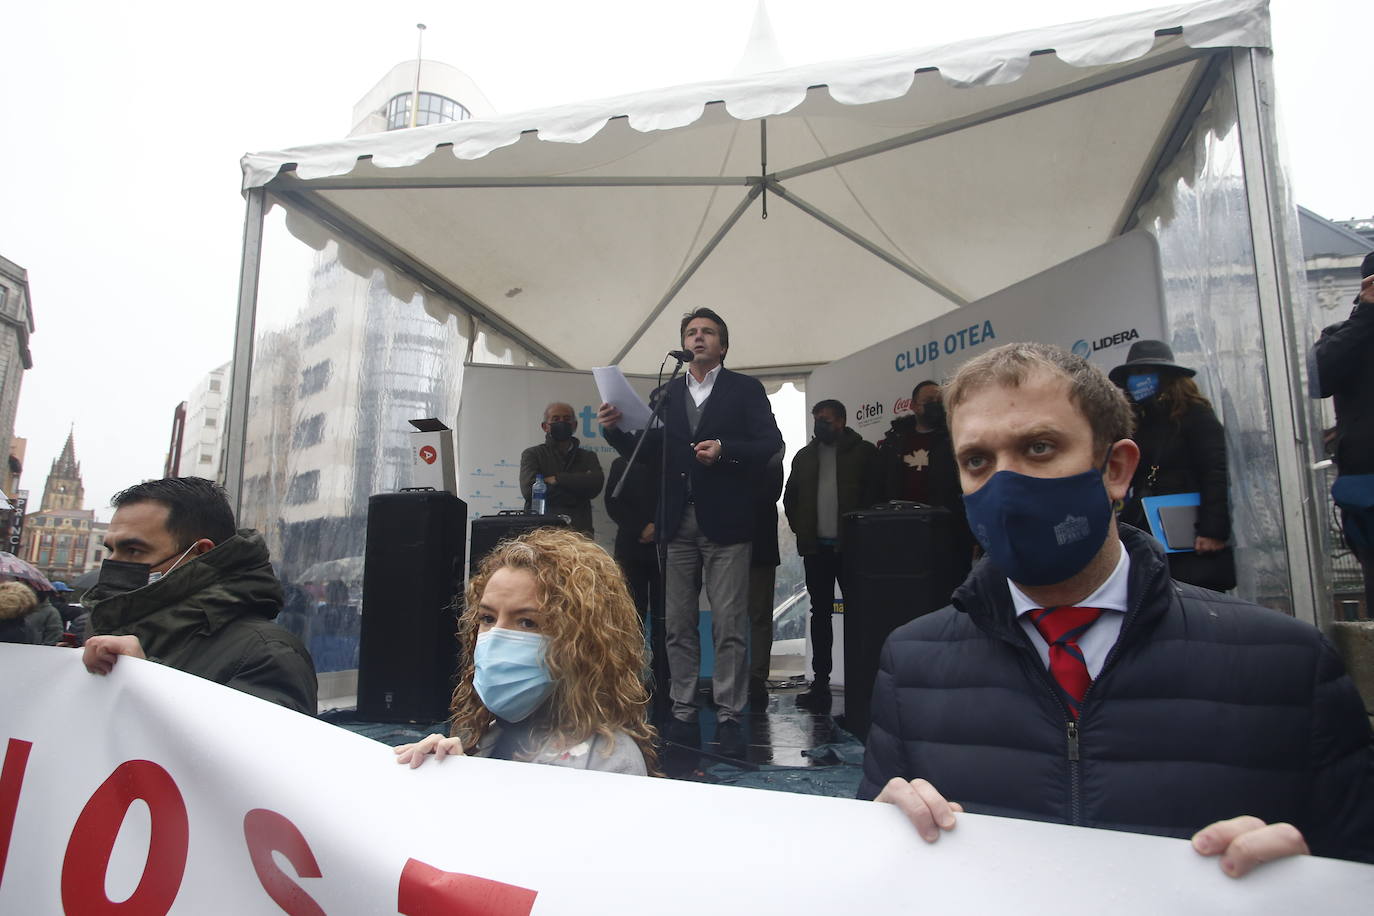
(1073,681)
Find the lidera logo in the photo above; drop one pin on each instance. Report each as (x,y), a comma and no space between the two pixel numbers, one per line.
(1081,349)
(1072,528)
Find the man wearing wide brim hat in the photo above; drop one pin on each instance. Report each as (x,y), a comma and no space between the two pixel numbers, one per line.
(1182,452)
(1145,356)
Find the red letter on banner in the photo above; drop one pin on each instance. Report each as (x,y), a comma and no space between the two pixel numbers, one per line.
(97,828)
(267,832)
(425,890)
(11,778)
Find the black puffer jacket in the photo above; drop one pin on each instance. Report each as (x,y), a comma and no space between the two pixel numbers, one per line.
(212,617)
(1207,708)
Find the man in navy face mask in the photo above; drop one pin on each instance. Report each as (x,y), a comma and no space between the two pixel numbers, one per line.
(573,474)
(1073,681)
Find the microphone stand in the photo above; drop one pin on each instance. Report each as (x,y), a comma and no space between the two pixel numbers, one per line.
(657,602)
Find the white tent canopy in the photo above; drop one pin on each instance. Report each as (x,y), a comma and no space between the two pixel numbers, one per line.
(893,193)
(895,188)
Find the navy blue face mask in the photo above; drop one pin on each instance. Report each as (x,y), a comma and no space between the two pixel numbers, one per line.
(1040,530)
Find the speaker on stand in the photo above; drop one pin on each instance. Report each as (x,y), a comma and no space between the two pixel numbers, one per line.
(901,560)
(412,590)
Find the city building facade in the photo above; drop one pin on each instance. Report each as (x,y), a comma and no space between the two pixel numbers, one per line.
(16,324)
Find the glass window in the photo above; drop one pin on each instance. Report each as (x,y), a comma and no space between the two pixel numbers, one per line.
(315,378)
(206,459)
(319,327)
(211,422)
(43,557)
(214,384)
(309,432)
(434,109)
(304,488)
(60,557)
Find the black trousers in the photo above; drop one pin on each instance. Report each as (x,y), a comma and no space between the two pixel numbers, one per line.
(646,588)
(822,572)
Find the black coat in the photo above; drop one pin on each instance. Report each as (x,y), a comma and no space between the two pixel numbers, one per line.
(633,509)
(1186,456)
(858,485)
(739,415)
(1208,707)
(1344,357)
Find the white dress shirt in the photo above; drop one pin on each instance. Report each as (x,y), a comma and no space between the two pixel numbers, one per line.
(1097,641)
(701,390)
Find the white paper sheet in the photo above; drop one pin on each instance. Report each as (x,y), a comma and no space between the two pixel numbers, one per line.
(616,391)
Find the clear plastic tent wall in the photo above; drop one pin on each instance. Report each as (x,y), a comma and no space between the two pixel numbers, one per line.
(335,380)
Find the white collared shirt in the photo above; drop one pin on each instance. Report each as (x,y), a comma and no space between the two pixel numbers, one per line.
(701,390)
(1097,642)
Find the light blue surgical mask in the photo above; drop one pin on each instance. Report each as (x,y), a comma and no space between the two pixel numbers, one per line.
(1143,385)
(154,576)
(511,676)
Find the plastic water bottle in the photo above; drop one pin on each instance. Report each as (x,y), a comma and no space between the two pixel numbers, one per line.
(539,495)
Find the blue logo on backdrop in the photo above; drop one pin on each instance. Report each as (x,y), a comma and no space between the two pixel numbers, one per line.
(1081,349)
(1085,349)
(954,342)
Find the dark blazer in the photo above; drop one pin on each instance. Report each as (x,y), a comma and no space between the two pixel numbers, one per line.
(1208,707)
(739,415)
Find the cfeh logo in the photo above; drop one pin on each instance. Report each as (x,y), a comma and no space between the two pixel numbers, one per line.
(428,455)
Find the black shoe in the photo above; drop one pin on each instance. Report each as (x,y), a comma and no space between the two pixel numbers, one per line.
(758,691)
(686,734)
(816,698)
(730,739)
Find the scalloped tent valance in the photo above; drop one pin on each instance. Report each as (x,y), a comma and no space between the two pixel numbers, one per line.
(819,209)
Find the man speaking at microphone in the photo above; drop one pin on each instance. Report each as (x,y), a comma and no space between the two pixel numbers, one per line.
(719,432)
(1072,681)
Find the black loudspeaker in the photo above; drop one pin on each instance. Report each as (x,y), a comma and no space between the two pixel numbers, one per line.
(900,560)
(412,587)
(490,530)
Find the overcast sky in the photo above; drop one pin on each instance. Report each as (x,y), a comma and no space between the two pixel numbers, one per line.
(124,123)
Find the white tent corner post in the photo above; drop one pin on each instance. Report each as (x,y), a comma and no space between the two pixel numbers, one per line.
(249,272)
(1268,210)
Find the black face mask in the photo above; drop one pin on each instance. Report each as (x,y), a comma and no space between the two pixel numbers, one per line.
(120,576)
(824,431)
(933,414)
(561,430)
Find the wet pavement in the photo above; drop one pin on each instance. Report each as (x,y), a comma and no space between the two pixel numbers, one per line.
(778,745)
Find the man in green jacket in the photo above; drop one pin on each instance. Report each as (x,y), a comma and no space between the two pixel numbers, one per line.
(573,473)
(836,473)
(183,588)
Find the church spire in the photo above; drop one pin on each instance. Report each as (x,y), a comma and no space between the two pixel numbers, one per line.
(64,489)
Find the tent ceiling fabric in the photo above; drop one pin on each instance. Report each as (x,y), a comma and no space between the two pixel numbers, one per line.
(1002,164)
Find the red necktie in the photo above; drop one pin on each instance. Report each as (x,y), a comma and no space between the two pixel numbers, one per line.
(1061,627)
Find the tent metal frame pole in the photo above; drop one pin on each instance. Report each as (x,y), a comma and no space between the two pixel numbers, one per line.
(1190,106)
(687,273)
(1252,71)
(286,182)
(385,252)
(250,269)
(869,246)
(1040,100)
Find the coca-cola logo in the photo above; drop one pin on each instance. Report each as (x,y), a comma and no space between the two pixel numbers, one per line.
(428,455)
(902,405)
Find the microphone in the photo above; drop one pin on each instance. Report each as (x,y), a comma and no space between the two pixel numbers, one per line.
(682,356)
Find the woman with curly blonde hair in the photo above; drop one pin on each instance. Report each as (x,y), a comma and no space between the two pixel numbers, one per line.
(553,657)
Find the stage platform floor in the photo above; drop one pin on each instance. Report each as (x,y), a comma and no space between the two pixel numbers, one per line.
(783,747)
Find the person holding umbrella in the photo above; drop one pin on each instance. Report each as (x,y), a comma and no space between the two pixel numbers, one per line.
(42,622)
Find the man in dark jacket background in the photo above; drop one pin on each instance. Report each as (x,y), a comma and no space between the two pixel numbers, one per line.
(835,473)
(182,588)
(1344,356)
(1073,681)
(573,473)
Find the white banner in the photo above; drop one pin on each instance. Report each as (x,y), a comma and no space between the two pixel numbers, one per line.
(151,791)
(1096,305)
(499,418)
